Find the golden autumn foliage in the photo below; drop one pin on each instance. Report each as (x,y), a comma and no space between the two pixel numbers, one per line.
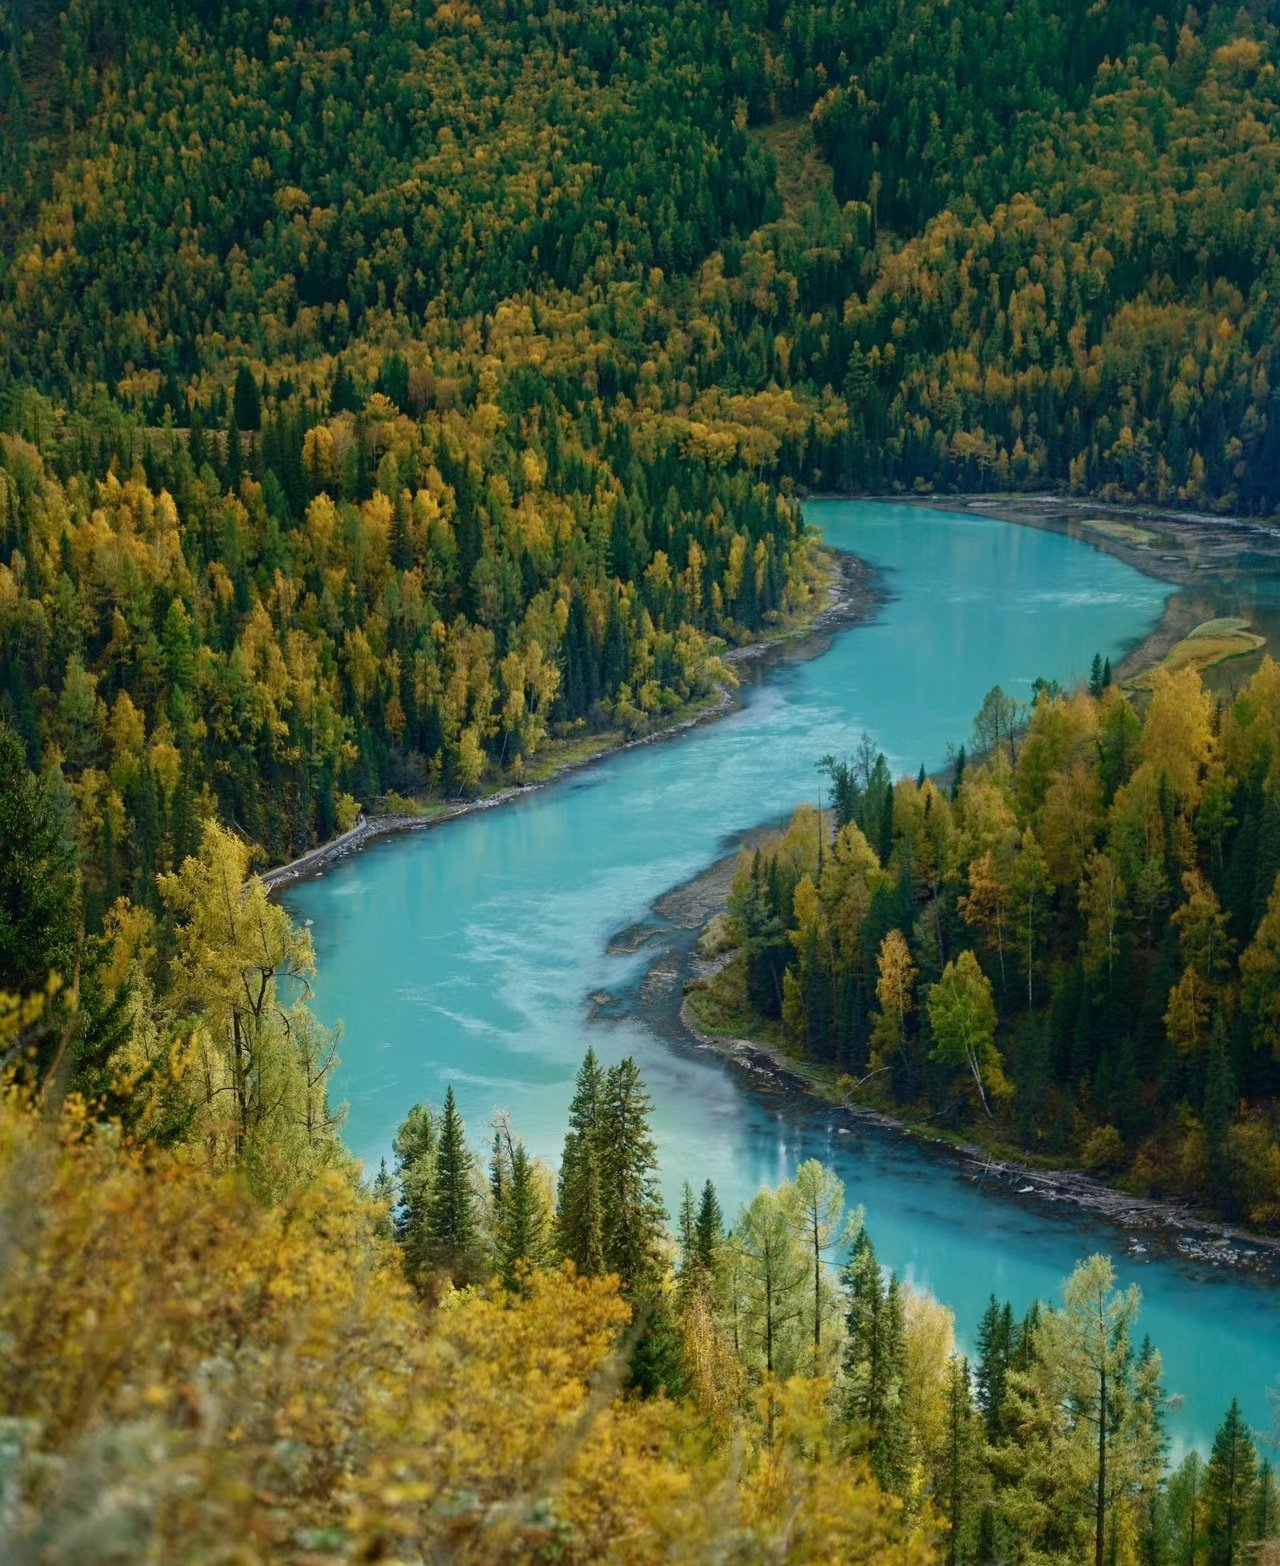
(191,1375)
(1086,926)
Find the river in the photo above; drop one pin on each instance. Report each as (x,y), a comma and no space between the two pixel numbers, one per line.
(468,954)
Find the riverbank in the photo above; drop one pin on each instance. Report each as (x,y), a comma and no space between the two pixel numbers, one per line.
(1172,1225)
(666,1004)
(851,594)
(1187,549)
(1194,555)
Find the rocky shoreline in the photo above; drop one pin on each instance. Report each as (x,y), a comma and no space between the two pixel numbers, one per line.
(853,596)
(1170,1226)
(1192,548)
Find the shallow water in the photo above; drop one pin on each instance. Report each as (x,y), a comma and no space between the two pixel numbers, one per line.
(467,955)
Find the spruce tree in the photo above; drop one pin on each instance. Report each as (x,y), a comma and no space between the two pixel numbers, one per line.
(1265,1501)
(1220,1101)
(958,1463)
(579,1221)
(709,1228)
(1229,1488)
(37,876)
(1184,1505)
(688,1233)
(415,1171)
(995,1347)
(874,1363)
(246,401)
(957,775)
(523,1240)
(452,1225)
(891,1451)
(633,1213)
(383,1192)
(657,1362)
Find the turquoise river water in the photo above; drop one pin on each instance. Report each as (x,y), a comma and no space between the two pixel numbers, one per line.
(467,954)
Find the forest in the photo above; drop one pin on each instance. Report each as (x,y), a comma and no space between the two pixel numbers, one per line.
(473,1358)
(350,456)
(1071,947)
(396,397)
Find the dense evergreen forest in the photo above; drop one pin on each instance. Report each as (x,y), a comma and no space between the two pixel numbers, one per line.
(1074,946)
(390,389)
(393,396)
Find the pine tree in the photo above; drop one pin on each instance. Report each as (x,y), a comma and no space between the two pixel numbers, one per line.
(452,1225)
(820,1201)
(687,1233)
(657,1361)
(709,1229)
(959,1462)
(37,885)
(995,1346)
(771,1272)
(415,1171)
(523,1239)
(383,1192)
(891,1453)
(633,1214)
(1263,1522)
(245,400)
(1219,1104)
(579,1217)
(1086,1347)
(1143,1429)
(874,1362)
(1229,1488)
(957,775)
(1184,1505)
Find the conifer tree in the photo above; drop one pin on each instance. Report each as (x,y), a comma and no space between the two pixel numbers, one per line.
(632,1209)
(709,1228)
(1230,1486)
(1265,1514)
(1087,1366)
(771,1275)
(1184,1496)
(523,1237)
(415,1171)
(959,1462)
(579,1216)
(452,1225)
(37,888)
(687,1232)
(820,1206)
(995,1347)
(246,401)
(874,1362)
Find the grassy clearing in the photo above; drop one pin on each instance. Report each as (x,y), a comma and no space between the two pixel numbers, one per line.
(803,173)
(1122,532)
(1214,642)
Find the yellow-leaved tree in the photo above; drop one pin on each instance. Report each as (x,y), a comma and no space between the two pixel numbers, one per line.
(191,1375)
(260,1062)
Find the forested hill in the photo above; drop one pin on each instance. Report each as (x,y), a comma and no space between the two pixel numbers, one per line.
(391,386)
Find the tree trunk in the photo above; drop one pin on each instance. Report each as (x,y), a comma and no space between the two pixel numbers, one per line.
(817,1298)
(1101,1516)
